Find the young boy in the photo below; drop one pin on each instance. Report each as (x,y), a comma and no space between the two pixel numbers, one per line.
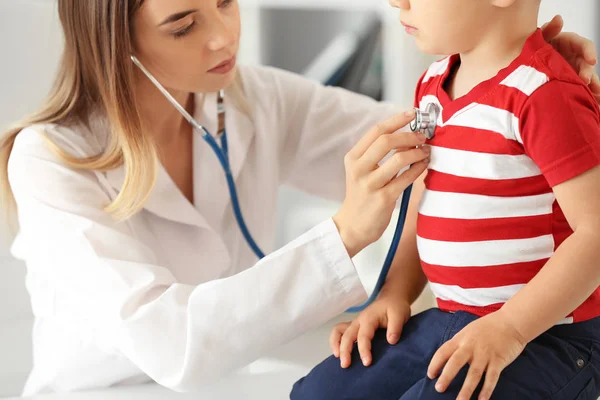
(506,223)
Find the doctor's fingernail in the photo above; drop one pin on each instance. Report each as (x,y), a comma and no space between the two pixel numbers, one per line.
(410,113)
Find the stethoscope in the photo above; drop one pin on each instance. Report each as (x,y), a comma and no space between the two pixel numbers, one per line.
(425,122)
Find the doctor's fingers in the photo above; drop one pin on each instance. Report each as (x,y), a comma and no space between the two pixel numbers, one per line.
(595,86)
(386,127)
(398,185)
(384,145)
(396,163)
(336,336)
(553,28)
(586,72)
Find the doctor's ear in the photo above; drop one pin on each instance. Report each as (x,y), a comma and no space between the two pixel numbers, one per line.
(502,3)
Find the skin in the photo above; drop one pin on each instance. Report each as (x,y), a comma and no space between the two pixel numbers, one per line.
(406,280)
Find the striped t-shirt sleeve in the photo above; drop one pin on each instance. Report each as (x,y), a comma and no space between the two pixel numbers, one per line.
(560,130)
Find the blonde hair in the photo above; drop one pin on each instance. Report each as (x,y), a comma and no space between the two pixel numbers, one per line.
(96,73)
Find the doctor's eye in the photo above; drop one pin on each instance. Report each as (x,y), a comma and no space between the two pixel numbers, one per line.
(184,31)
(225,3)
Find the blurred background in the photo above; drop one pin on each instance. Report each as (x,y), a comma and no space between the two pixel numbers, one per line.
(310,37)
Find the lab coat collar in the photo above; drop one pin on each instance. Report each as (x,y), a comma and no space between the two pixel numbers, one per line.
(239,126)
(166,200)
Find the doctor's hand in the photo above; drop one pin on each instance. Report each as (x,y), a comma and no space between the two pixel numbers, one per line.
(578,51)
(389,311)
(373,190)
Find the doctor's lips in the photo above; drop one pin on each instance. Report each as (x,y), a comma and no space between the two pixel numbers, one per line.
(224,67)
(409,29)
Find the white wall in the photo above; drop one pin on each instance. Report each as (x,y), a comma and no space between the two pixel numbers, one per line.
(30,44)
(581,16)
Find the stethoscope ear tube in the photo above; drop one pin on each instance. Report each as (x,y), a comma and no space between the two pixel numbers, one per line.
(220,152)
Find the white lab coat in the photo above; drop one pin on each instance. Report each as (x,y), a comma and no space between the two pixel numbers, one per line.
(174,294)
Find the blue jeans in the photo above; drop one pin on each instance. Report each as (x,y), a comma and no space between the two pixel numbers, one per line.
(563,363)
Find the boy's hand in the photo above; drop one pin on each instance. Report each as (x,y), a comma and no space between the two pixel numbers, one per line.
(388,311)
(488,345)
(578,51)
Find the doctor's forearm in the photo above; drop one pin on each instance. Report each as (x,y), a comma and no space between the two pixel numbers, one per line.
(573,272)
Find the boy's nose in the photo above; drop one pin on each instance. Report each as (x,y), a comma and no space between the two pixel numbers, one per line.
(401,4)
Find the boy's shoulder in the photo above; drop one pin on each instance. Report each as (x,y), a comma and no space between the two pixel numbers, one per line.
(548,78)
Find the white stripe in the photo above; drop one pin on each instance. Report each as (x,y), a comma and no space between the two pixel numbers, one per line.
(517,130)
(475,297)
(565,321)
(481,116)
(436,69)
(472,206)
(526,79)
(482,165)
(486,253)
(483,297)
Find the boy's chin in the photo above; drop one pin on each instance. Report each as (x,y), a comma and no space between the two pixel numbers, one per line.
(432,48)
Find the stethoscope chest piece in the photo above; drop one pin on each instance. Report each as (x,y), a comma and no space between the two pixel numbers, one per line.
(426,121)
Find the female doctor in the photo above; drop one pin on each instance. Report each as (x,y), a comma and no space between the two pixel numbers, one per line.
(137,269)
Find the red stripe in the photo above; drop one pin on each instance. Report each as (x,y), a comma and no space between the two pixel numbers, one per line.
(442,182)
(478,230)
(484,277)
(506,98)
(475,140)
(430,86)
(589,309)
(451,306)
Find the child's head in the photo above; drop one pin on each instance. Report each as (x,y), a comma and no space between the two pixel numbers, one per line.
(457,26)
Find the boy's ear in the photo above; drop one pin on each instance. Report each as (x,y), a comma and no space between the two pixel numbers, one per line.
(502,3)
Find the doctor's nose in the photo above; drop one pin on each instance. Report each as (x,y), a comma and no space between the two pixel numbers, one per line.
(401,4)
(221,36)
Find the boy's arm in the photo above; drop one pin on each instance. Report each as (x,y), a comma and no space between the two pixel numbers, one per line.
(561,133)
(406,278)
(573,272)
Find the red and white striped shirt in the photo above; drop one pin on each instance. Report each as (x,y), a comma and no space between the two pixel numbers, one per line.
(489,221)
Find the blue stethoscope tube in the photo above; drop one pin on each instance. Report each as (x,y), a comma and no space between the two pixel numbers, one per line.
(425,122)
(223,156)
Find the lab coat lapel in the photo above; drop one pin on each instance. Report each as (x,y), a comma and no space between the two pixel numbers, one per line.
(240,135)
(166,201)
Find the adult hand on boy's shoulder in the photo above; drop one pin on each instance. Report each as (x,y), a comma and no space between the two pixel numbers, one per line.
(578,51)
(488,345)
